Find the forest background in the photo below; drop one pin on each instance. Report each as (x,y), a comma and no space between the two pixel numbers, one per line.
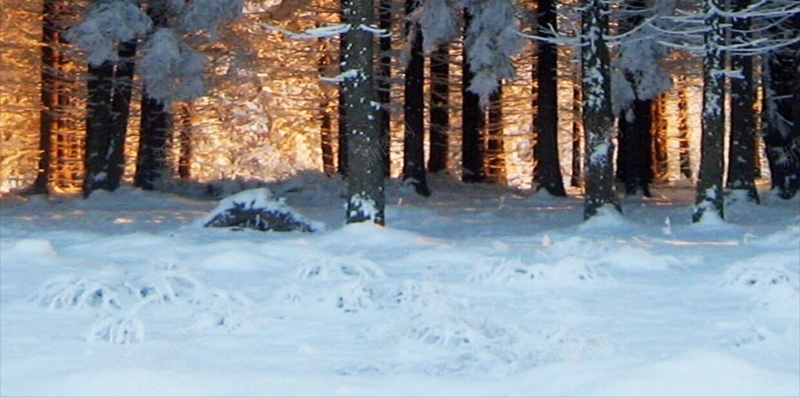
(555,95)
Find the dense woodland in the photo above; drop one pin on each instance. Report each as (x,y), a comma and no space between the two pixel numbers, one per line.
(590,93)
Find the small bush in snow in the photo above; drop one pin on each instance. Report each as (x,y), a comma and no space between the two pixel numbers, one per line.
(257,209)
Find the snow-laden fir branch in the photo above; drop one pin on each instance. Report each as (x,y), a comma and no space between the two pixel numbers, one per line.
(313,33)
(324,31)
(341,77)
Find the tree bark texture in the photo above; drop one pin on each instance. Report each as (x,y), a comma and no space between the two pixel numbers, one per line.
(709,185)
(439,109)
(414,111)
(547,168)
(365,179)
(472,121)
(598,119)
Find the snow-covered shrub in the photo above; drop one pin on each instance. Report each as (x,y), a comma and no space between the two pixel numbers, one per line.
(117,330)
(348,284)
(76,292)
(122,299)
(257,209)
(567,270)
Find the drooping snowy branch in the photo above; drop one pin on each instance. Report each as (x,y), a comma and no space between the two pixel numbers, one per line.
(491,41)
(438,22)
(314,33)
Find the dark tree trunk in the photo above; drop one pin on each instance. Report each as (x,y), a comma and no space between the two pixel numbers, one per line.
(709,184)
(186,133)
(472,120)
(495,146)
(414,112)
(120,113)
(98,117)
(547,168)
(341,159)
(365,179)
(384,84)
(683,130)
(779,139)
(439,110)
(152,161)
(598,119)
(634,167)
(742,150)
(576,180)
(48,95)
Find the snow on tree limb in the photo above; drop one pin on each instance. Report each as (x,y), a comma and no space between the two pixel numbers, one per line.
(107,22)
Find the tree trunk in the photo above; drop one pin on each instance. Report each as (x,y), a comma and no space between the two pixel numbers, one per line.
(658,123)
(48,94)
(495,146)
(709,184)
(186,133)
(152,161)
(742,150)
(414,112)
(634,167)
(341,156)
(364,175)
(472,120)
(783,154)
(439,109)
(98,124)
(598,119)
(547,168)
(384,84)
(325,119)
(120,113)
(683,130)
(576,179)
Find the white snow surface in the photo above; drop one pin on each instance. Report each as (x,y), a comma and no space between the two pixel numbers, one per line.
(477,290)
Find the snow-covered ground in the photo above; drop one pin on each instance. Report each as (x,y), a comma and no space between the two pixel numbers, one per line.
(478,290)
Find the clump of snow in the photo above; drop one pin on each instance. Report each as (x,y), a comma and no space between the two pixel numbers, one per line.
(607,217)
(257,209)
(117,330)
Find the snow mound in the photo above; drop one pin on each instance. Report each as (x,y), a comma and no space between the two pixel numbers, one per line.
(565,270)
(257,209)
(761,276)
(117,330)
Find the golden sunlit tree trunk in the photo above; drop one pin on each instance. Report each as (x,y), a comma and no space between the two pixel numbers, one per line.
(576,179)
(683,129)
(384,82)
(709,184)
(48,94)
(495,166)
